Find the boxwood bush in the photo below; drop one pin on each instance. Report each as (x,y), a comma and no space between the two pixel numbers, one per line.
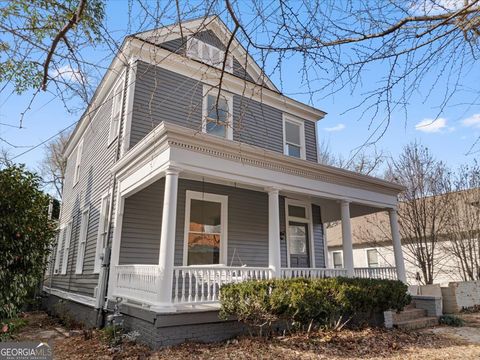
(301,303)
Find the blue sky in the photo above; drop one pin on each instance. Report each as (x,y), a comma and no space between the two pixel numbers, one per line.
(449,137)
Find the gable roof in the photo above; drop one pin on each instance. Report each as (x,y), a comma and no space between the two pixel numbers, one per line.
(213,23)
(168,33)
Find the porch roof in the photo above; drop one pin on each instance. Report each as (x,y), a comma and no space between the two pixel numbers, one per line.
(169,144)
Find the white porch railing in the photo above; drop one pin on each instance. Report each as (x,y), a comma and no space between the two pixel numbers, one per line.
(137,282)
(313,273)
(201,284)
(389,273)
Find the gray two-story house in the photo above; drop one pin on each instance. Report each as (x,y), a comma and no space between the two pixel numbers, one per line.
(189,170)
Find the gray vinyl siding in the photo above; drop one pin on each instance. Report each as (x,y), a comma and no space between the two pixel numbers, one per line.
(257,124)
(318,237)
(142,226)
(95,181)
(247,223)
(163,95)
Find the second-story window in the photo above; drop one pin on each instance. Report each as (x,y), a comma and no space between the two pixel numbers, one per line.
(117,100)
(78,161)
(217,115)
(294,137)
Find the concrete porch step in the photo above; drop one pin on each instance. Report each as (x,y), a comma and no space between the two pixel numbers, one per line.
(409,314)
(419,323)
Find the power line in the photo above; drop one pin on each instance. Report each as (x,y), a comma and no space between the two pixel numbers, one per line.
(45,141)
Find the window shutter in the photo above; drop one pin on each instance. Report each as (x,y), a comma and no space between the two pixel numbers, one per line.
(66,247)
(56,266)
(117,101)
(102,231)
(82,240)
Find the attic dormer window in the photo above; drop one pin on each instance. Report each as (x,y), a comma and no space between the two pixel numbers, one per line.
(208,54)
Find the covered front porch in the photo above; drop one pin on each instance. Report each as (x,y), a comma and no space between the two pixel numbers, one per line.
(194,213)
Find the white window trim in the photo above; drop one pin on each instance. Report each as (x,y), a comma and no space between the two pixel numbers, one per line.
(307,220)
(207,90)
(197,56)
(113,134)
(223,200)
(294,120)
(82,239)
(78,162)
(99,251)
(366,257)
(66,246)
(333,259)
(61,233)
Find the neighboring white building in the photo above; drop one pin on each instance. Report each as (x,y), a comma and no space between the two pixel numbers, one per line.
(373,249)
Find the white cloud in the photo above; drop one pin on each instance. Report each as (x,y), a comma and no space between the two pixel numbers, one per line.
(338,127)
(67,73)
(431,7)
(472,121)
(432,125)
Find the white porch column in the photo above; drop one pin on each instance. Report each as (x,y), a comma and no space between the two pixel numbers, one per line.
(397,246)
(347,238)
(167,237)
(274,260)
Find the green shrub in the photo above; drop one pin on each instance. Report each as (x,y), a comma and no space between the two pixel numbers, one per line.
(451,320)
(305,302)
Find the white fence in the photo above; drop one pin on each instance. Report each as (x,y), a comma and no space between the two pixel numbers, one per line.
(137,282)
(315,273)
(201,284)
(376,273)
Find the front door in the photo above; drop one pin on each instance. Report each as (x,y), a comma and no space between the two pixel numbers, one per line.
(298,244)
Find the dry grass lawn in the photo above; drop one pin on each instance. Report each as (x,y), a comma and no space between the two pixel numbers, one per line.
(347,344)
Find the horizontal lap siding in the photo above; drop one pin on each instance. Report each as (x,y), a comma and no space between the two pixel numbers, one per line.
(95,180)
(257,124)
(247,223)
(162,95)
(141,227)
(318,237)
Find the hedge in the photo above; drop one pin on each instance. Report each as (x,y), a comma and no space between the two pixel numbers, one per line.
(304,302)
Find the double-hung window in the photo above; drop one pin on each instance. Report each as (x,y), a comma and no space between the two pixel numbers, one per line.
(218,114)
(337,260)
(82,240)
(102,231)
(372,258)
(208,54)
(78,161)
(66,247)
(205,229)
(293,137)
(117,102)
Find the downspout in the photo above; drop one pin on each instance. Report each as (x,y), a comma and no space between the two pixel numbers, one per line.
(105,266)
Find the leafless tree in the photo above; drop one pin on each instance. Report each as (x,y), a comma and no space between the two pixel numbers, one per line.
(364,162)
(424,210)
(414,46)
(464,222)
(54,164)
